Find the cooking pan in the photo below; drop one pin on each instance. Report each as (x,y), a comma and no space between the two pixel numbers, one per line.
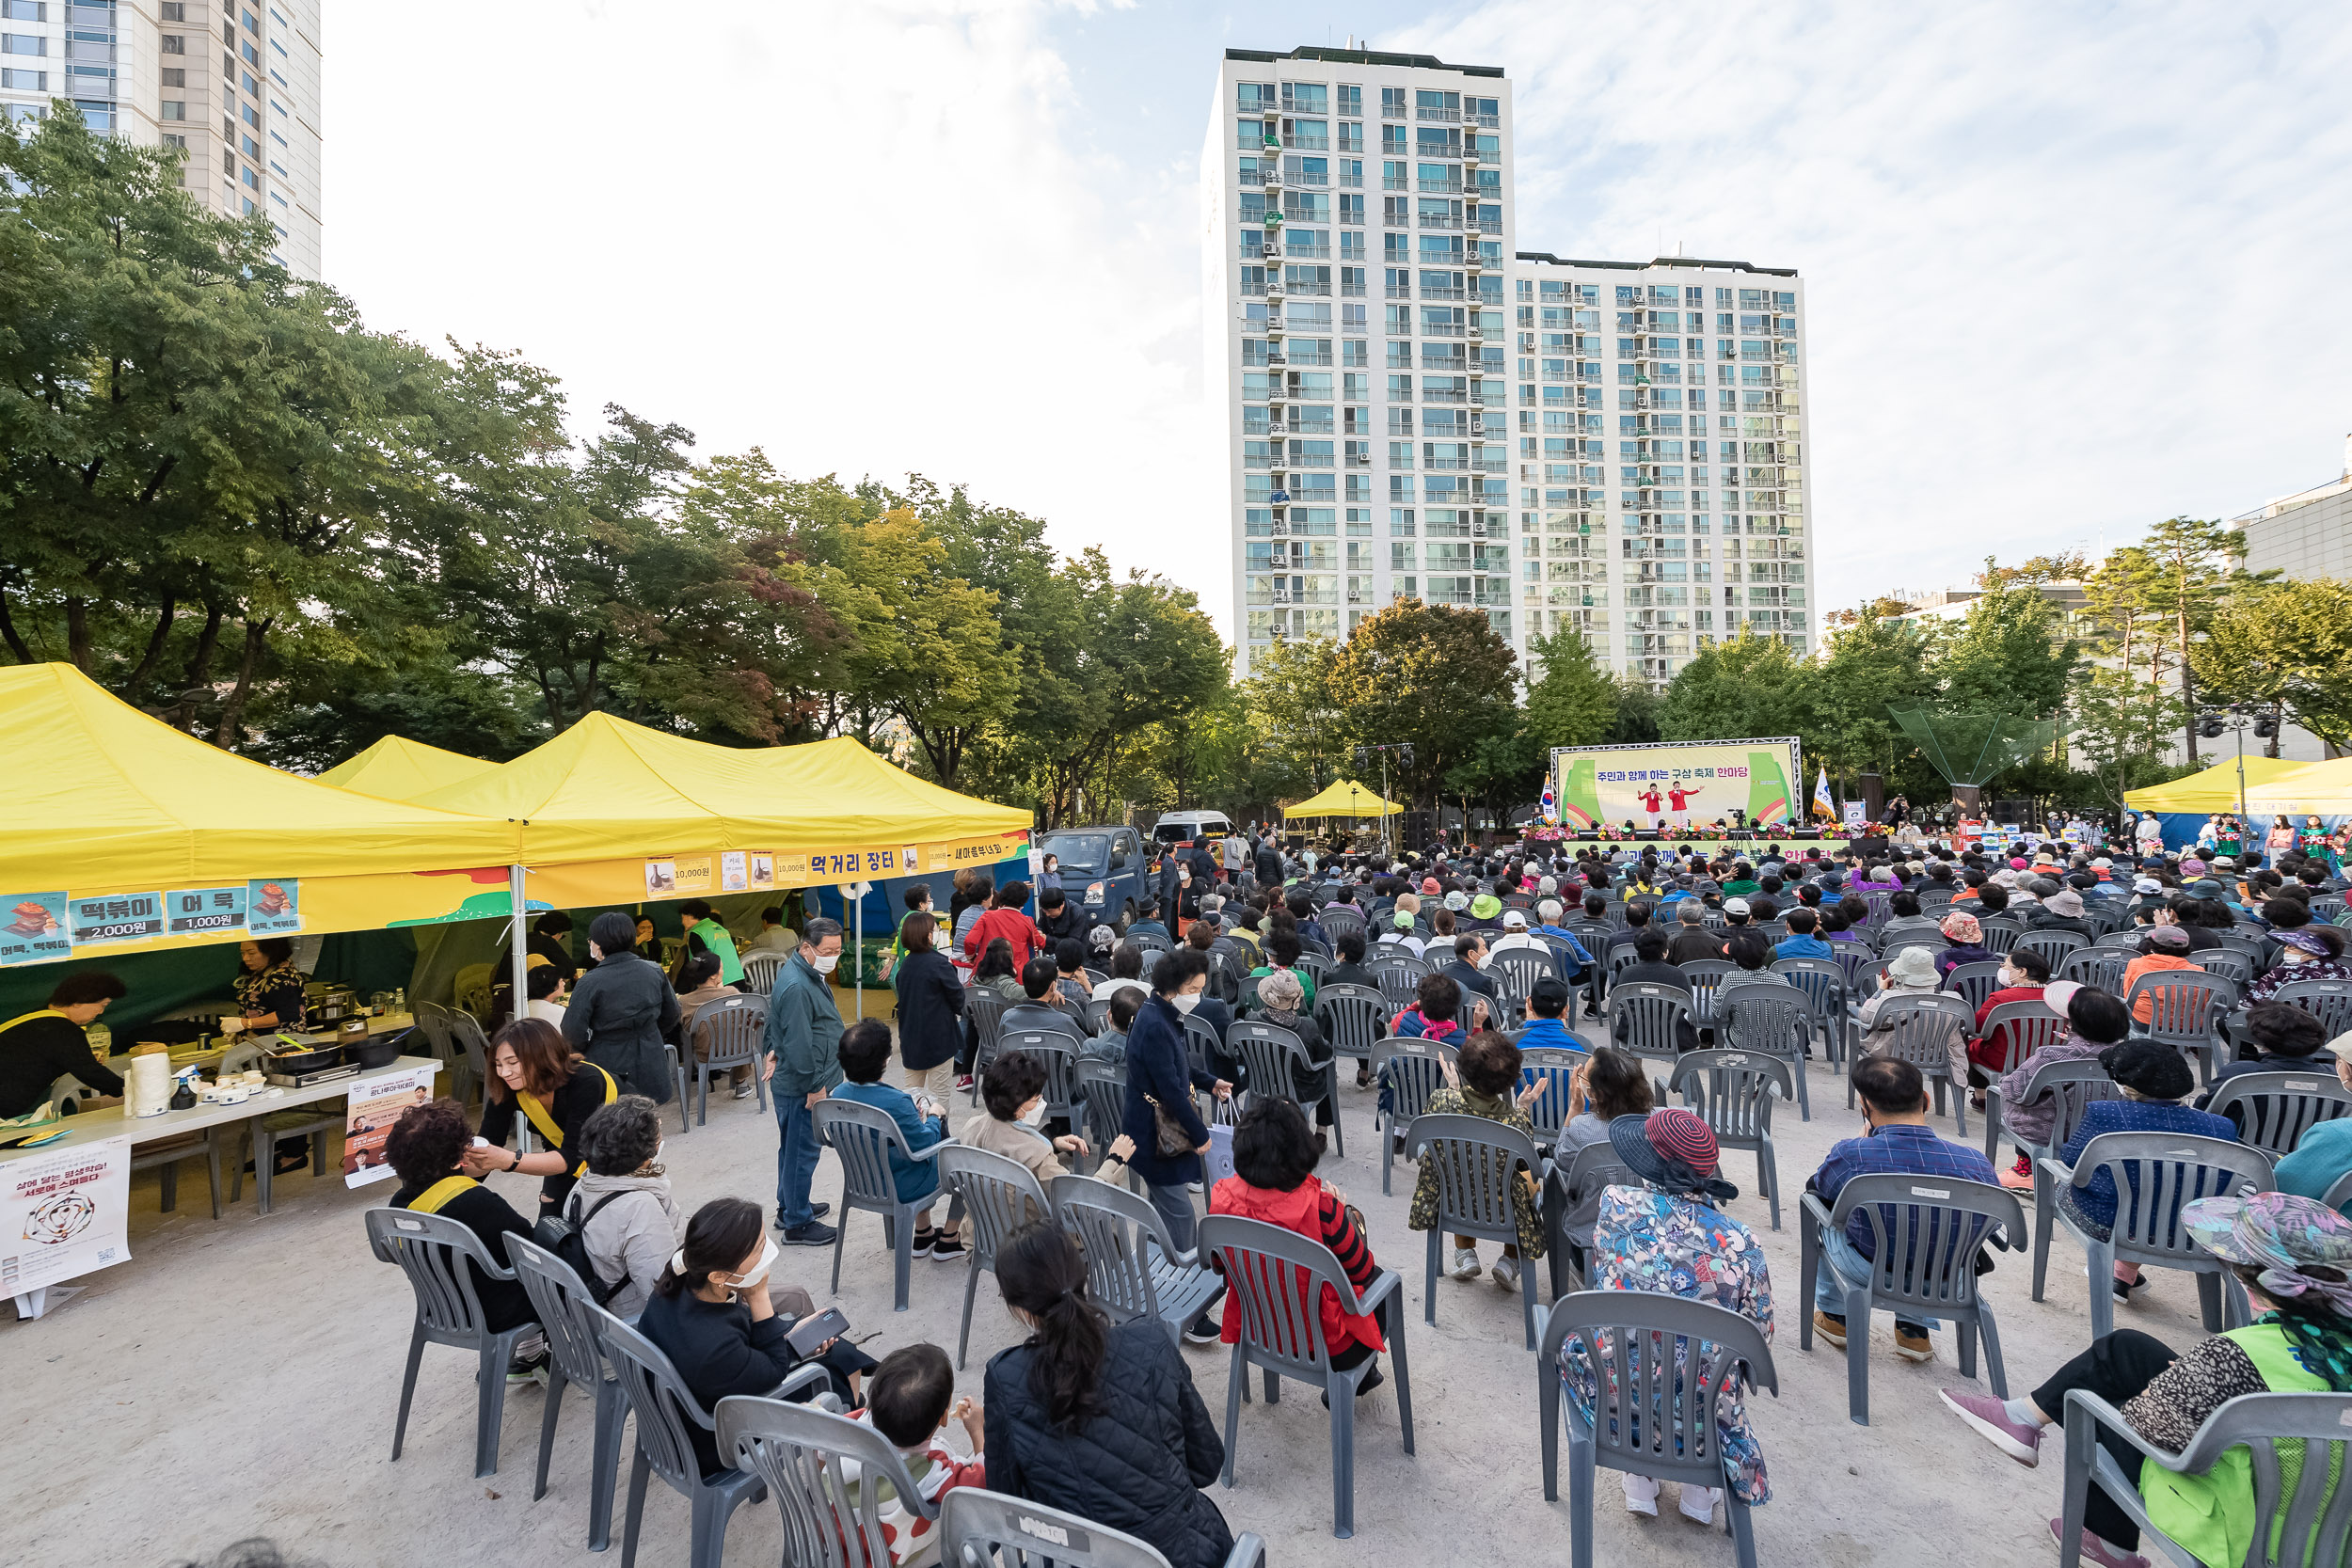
(291,1060)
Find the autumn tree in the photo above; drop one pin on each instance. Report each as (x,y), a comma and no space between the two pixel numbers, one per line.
(1435,676)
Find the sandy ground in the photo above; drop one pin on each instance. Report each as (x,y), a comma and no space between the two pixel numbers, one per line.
(240,1378)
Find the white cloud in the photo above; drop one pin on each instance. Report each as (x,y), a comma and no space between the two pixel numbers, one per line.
(868,238)
(2071,269)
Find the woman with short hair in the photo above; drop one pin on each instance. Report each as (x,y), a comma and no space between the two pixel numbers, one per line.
(930,1008)
(426,1150)
(1480,1085)
(622,1207)
(622,1010)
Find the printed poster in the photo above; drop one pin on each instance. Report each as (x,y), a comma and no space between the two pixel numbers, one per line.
(660,879)
(273,909)
(1857,817)
(115,918)
(63,1214)
(34,931)
(734,872)
(376,1105)
(763,870)
(190,911)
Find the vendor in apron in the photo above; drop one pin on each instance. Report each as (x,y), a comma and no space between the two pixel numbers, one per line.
(532,1071)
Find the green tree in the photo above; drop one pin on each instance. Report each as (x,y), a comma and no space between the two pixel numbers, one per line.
(1864,665)
(1572,701)
(1292,711)
(1434,676)
(1745,687)
(2194,571)
(2284,645)
(2010,654)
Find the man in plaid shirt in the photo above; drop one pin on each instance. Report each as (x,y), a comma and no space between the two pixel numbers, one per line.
(1899,1143)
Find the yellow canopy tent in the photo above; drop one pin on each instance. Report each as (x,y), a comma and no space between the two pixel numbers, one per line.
(1343,798)
(125,833)
(2215,789)
(398,768)
(2323,787)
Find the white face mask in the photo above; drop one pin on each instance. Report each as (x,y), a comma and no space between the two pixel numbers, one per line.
(823,963)
(1035,1115)
(1188,1002)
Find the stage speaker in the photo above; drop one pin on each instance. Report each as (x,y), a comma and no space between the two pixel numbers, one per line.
(1415,830)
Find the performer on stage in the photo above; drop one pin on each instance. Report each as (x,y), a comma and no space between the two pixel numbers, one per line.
(1679,795)
(1651,800)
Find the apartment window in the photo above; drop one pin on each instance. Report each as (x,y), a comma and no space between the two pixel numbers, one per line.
(173,76)
(251,24)
(175,43)
(26,10)
(25,81)
(252,87)
(250,115)
(24,44)
(252,56)
(280,47)
(171,139)
(175,109)
(274,15)
(278,170)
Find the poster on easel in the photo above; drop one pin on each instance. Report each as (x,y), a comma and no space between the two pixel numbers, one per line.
(64,1212)
(373,1108)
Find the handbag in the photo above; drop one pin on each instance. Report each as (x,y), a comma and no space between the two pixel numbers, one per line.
(1169,1136)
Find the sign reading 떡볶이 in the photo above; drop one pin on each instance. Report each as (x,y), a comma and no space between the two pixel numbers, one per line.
(115,918)
(35,930)
(273,909)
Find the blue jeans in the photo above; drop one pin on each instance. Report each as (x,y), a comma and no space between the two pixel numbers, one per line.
(797,1151)
(1844,1267)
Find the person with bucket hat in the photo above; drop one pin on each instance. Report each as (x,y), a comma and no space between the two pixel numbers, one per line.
(2293,1257)
(2155,1079)
(2095,1021)
(1670,1237)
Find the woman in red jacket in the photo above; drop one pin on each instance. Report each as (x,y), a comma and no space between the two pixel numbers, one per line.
(1004,919)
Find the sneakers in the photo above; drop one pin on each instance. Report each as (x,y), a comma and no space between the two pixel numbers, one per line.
(811,1234)
(2098,1551)
(2125,1288)
(1913,1344)
(527,1369)
(1506,1273)
(742,1091)
(1832,1329)
(1204,1330)
(924,1241)
(1466,1264)
(2019,1177)
(1990,1419)
(1697,1503)
(1640,1494)
(946,1249)
(963,1083)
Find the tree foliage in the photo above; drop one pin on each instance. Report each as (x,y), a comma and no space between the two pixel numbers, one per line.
(1435,676)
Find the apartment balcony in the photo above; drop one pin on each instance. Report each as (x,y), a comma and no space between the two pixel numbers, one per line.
(1310,355)
(1395,182)
(1308,180)
(1253,291)
(1442,329)
(1255,177)
(1352,290)
(1432,220)
(1298,143)
(1443,117)
(1444,394)
(1490,226)
(1392,111)
(1296,251)
(1393,220)
(1429,293)
(1439,187)
(1402,291)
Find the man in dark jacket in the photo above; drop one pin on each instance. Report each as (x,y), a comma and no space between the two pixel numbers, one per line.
(1058,917)
(1470,952)
(1266,863)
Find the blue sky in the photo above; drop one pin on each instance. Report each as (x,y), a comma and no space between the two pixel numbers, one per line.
(2071,269)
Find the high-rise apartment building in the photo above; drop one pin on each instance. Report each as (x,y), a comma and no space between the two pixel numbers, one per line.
(1414,409)
(234,83)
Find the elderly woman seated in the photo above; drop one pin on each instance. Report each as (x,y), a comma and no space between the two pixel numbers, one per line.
(1283,1003)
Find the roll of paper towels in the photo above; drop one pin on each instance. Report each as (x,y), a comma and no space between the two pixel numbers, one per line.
(150,1086)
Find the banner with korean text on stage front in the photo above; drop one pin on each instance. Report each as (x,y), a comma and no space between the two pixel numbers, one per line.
(1678,787)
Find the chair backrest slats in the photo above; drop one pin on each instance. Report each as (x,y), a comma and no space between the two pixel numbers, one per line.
(1409,1072)
(1477,1163)
(666,1411)
(1000,1196)
(1732,1091)
(1118,1233)
(1662,1366)
(2154,1173)
(434,1251)
(863,1136)
(1276,1279)
(563,1306)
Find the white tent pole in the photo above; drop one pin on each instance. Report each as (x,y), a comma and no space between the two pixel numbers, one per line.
(519,904)
(858,968)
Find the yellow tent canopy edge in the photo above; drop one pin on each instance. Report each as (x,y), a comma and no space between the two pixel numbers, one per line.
(1343,798)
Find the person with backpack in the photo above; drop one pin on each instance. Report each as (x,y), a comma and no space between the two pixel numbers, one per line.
(621,1220)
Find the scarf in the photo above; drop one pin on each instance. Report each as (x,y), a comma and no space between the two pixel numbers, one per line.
(2321,1343)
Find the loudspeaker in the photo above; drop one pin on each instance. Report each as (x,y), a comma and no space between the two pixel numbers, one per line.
(1416,829)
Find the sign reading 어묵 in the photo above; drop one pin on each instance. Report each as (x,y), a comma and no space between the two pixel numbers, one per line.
(217,911)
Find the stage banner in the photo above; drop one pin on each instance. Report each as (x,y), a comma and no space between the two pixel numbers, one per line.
(1679,787)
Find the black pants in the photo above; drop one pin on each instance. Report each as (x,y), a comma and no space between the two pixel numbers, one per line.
(1356,1355)
(2115,1369)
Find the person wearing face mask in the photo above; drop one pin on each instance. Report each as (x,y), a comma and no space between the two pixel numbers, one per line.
(714,1315)
(622,1009)
(2024,976)
(622,1207)
(1161,1085)
(865,1052)
(801,1059)
(2305,952)
(1013,1091)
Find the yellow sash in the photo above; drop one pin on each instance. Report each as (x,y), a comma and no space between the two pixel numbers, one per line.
(545,1123)
(27,1017)
(434,1199)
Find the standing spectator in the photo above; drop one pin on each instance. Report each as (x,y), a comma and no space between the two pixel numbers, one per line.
(1161,1083)
(1481,1087)
(1235,855)
(802,1047)
(620,1010)
(918,901)
(1100,1421)
(1005,919)
(1667,1237)
(710,933)
(1897,1141)
(930,1009)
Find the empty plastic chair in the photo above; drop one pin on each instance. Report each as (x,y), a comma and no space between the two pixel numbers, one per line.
(1103,1090)
(1662,1369)
(759,972)
(569,1312)
(434,1251)
(1277,1278)
(2273,1109)
(1732,1091)
(864,1137)
(977,1527)
(1133,1270)
(2154,1173)
(1000,1196)
(1774,1020)
(1479,1165)
(1926,1231)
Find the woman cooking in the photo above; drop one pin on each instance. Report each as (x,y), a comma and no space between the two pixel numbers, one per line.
(269,988)
(533,1071)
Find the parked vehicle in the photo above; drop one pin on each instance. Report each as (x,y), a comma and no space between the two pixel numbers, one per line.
(1104,871)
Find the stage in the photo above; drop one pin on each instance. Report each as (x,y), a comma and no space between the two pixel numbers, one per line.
(1749,848)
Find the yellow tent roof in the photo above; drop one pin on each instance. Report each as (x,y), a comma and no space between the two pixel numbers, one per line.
(398,768)
(2325,787)
(101,796)
(609,789)
(2215,789)
(1345,798)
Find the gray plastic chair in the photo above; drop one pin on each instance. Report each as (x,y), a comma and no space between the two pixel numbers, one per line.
(1921,1031)
(737,1024)
(1273,1058)
(759,972)
(2053,945)
(1133,1270)
(1662,1366)
(1098,1016)
(1732,1091)
(1102,1093)
(1000,1196)
(1923,1265)
(1351,1018)
(1772,1020)
(1399,975)
(1057,1053)
(2154,1173)
(2276,1109)
(1704,976)
(1478,1163)
(1341,919)
(564,1308)
(980,1529)
(864,1137)
(1200,1039)
(2076,1086)
(2233,966)
(1515,971)
(985,1008)
(1408,1071)
(2102,967)
(2185,1008)
(1648,1021)
(1554,1066)
(434,1251)
(1278,1277)
(1593,1168)
(441,1033)
(1823,983)
(801,1455)
(1973,983)
(667,1413)
(2263,1424)
(1999,934)
(1890,946)
(2127,939)
(2329,1001)
(465,1031)
(2023,1028)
